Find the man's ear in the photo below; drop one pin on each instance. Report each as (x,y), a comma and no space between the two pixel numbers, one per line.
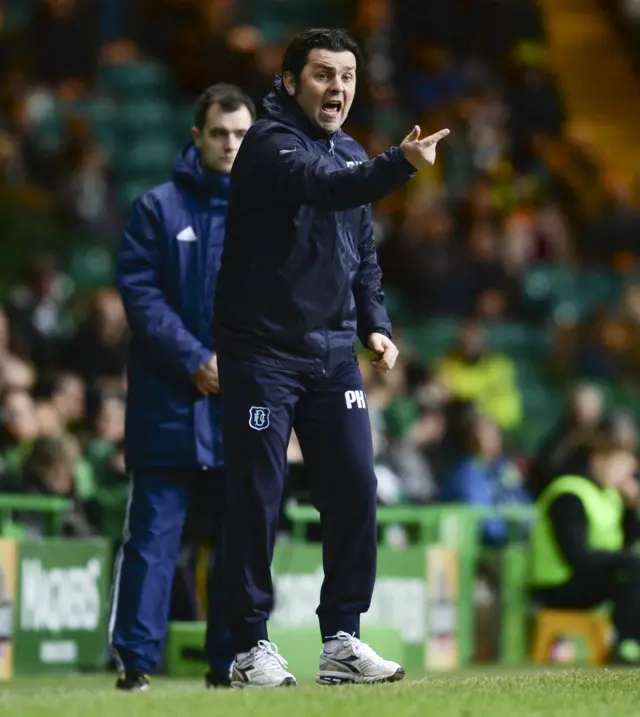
(196,134)
(289,83)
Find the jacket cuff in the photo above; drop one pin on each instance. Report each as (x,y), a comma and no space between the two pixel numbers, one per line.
(364,335)
(383,331)
(404,165)
(199,357)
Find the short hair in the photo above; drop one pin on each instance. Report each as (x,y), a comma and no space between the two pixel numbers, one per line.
(601,443)
(51,451)
(229,97)
(297,53)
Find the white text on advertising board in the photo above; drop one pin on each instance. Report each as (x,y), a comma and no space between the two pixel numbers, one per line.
(58,599)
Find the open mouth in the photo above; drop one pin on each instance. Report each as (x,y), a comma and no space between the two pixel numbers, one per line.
(331,108)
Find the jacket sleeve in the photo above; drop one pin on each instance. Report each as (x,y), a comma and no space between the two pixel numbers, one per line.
(301,177)
(367,288)
(569,524)
(153,321)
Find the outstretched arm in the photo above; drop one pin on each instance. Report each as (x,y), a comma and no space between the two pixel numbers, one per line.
(301,177)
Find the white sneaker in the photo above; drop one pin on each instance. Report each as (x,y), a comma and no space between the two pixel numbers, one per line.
(355,662)
(262,667)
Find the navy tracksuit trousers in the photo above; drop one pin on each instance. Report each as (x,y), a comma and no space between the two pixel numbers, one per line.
(260,405)
(158,507)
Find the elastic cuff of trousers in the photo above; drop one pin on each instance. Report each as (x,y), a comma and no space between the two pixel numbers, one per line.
(246,635)
(331,625)
(221,665)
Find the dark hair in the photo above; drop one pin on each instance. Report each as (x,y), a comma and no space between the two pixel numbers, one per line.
(229,97)
(416,374)
(473,421)
(297,53)
(602,443)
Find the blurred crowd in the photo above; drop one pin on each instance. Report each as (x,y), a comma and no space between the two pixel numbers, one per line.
(62,424)
(517,188)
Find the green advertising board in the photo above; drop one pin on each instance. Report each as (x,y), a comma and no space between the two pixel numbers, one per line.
(62,605)
(416,593)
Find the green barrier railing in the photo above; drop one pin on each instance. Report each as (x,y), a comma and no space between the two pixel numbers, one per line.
(424,523)
(53,508)
(459,526)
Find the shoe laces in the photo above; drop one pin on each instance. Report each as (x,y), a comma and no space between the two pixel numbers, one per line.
(268,657)
(359,648)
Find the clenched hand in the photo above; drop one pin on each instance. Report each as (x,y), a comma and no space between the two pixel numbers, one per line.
(205,379)
(385,349)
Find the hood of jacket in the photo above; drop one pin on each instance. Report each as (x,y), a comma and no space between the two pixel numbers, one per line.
(189,175)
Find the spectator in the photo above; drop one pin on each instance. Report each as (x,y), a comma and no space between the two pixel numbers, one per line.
(619,336)
(582,543)
(407,450)
(88,197)
(99,347)
(68,396)
(472,374)
(432,264)
(15,374)
(49,421)
(49,470)
(620,426)
(487,477)
(35,311)
(18,432)
(106,437)
(560,452)
(63,35)
(487,273)
(518,187)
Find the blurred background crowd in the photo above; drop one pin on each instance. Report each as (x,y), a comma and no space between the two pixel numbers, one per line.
(511,269)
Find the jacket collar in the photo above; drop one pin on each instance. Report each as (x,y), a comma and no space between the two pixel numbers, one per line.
(188,174)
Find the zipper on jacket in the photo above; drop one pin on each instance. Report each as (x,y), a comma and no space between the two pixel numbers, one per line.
(331,148)
(327,352)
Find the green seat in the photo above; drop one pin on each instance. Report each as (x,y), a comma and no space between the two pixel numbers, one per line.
(552,292)
(18,13)
(593,290)
(103,119)
(517,340)
(145,117)
(130,190)
(529,370)
(528,438)
(433,339)
(97,112)
(570,311)
(136,79)
(506,338)
(149,158)
(601,288)
(544,281)
(91,267)
(398,309)
(540,402)
(181,124)
(49,132)
(625,398)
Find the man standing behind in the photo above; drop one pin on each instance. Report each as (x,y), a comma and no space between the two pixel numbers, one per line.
(299,276)
(167,271)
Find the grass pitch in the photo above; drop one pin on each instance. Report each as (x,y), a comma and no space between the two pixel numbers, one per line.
(543,693)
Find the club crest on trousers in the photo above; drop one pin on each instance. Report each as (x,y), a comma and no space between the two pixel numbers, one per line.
(259,418)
